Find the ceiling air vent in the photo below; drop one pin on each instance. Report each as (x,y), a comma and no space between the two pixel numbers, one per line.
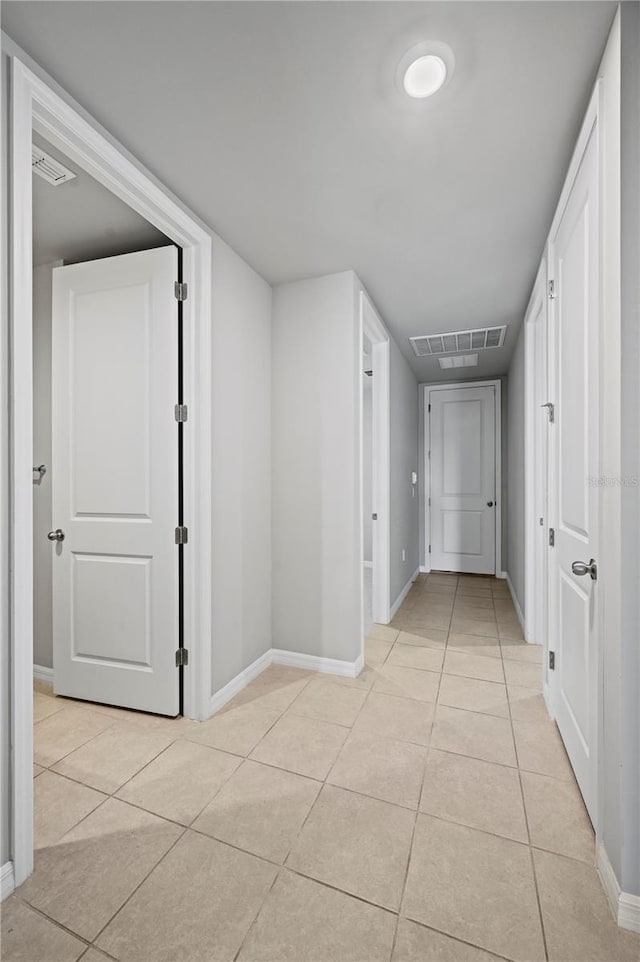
(49,169)
(480,339)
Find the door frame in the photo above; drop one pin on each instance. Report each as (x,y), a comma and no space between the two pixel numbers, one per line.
(35,105)
(449,386)
(372,327)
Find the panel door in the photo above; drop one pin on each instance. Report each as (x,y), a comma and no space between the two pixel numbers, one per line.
(575,325)
(115,480)
(463,479)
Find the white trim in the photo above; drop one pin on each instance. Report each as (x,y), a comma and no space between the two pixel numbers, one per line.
(333,666)
(445,386)
(43,674)
(403,594)
(240,681)
(501,574)
(7,880)
(367,564)
(625,907)
(424,570)
(35,105)
(514,598)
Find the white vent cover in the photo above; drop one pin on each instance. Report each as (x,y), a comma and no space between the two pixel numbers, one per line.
(460,360)
(49,169)
(480,339)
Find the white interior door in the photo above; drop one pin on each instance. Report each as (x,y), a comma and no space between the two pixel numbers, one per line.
(115,480)
(574,262)
(463,479)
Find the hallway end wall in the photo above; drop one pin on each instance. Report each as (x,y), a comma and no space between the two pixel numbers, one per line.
(404,497)
(514,561)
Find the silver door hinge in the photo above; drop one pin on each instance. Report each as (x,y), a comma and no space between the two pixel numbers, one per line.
(182,657)
(182,535)
(181,290)
(429,502)
(551,410)
(552,660)
(552,537)
(552,290)
(181,413)
(429,409)
(429,549)
(429,454)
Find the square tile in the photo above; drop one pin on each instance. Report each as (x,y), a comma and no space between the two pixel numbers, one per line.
(180,781)
(522,651)
(475,588)
(197,904)
(324,699)
(473,666)
(383,633)
(303,745)
(475,602)
(303,921)
(408,682)
(558,820)
(260,810)
(473,694)
(45,705)
(510,631)
(475,793)
(431,616)
(113,757)
(28,937)
(456,873)
(415,943)
(466,609)
(357,844)
(237,730)
(471,626)
(523,675)
(59,804)
(64,731)
(426,638)
(474,645)
(527,704)
(404,719)
(83,880)
(273,690)
(470,733)
(381,767)
(540,749)
(416,656)
(376,651)
(578,921)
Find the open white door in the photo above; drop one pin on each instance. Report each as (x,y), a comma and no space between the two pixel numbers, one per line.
(463,479)
(115,481)
(574,269)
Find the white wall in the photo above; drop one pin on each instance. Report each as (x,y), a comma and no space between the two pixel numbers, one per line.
(515,471)
(403,498)
(367,467)
(5,700)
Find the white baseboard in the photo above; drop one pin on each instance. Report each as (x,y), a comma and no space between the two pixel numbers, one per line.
(7,881)
(625,907)
(424,570)
(240,681)
(516,603)
(45,675)
(334,666)
(403,594)
(502,574)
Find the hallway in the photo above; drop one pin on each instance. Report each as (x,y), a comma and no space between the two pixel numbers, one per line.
(424,810)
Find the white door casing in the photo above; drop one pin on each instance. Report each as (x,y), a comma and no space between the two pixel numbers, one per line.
(462,467)
(574,269)
(115,480)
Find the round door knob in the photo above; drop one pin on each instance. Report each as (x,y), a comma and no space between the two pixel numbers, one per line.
(489,504)
(57,535)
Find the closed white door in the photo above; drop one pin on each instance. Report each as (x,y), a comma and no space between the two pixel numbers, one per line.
(463,479)
(115,481)
(574,265)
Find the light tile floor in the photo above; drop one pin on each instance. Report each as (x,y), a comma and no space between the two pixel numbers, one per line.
(423,811)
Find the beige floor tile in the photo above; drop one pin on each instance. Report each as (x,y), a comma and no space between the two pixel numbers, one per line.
(558,820)
(28,937)
(383,633)
(408,682)
(405,719)
(83,880)
(540,749)
(527,704)
(38,770)
(65,731)
(483,601)
(415,943)
(470,733)
(364,680)
(471,626)
(93,955)
(438,594)
(304,921)
(474,645)
(522,674)
(45,705)
(357,844)
(464,608)
(469,590)
(113,757)
(474,695)
(237,731)
(416,656)
(59,804)
(425,638)
(475,793)
(510,632)
(475,887)
(522,651)
(197,905)
(578,922)
(260,810)
(44,687)
(381,767)
(273,693)
(324,699)
(307,746)
(471,665)
(431,616)
(180,781)
(376,651)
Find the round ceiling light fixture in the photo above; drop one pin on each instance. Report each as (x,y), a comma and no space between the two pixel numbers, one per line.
(424,76)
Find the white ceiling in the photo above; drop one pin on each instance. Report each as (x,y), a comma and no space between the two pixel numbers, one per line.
(280,124)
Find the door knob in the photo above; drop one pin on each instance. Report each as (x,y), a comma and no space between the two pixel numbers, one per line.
(489,504)
(57,535)
(582,568)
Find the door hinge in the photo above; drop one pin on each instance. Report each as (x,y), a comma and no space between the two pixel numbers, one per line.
(429,409)
(429,549)
(429,502)
(182,535)
(182,657)
(552,290)
(181,290)
(552,660)
(429,454)
(181,413)
(551,410)
(552,537)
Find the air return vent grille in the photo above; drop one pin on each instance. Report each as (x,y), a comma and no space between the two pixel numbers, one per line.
(49,169)
(430,345)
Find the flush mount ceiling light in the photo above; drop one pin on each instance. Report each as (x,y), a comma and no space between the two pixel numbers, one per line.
(425,69)
(461,360)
